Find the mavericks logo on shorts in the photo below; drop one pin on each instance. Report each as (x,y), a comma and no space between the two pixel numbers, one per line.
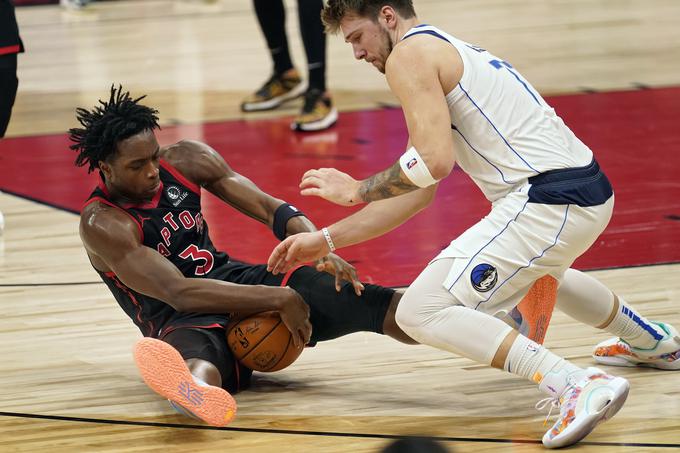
(484,277)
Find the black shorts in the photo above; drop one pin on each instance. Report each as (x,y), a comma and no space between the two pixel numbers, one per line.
(332,315)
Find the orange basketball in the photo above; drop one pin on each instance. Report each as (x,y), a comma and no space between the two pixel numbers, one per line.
(262,342)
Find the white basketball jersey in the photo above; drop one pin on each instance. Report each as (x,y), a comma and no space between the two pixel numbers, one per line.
(503,130)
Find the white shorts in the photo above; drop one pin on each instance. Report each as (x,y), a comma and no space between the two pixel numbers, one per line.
(497,260)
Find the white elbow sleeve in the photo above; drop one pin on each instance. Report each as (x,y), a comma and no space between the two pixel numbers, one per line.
(415,169)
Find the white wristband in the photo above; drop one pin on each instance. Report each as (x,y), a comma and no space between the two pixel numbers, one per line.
(415,169)
(329,241)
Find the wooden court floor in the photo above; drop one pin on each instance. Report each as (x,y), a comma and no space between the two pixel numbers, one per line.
(68,380)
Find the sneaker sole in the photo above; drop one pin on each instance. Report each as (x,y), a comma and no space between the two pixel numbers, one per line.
(618,361)
(273,103)
(320,125)
(588,424)
(164,371)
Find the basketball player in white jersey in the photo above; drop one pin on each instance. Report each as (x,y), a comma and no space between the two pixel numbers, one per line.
(550,201)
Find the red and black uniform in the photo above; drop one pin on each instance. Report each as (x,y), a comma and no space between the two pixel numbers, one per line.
(10,46)
(172,224)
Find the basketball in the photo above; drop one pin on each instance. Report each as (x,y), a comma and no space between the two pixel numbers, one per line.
(262,342)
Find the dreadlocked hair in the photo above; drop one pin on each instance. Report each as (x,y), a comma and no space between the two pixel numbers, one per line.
(107,124)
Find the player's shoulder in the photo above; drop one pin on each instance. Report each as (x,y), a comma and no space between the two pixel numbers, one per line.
(102,223)
(184,151)
(197,161)
(419,52)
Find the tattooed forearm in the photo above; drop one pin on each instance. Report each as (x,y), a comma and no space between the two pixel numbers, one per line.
(386,184)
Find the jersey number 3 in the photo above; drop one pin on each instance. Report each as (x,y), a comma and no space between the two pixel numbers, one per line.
(197,254)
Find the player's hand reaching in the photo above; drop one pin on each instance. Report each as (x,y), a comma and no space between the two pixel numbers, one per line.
(332,185)
(294,313)
(295,250)
(342,270)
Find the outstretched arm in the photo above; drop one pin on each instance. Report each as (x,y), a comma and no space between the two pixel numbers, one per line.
(373,220)
(205,167)
(414,76)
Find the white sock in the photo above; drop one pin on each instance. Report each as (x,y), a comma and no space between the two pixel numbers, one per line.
(532,361)
(634,328)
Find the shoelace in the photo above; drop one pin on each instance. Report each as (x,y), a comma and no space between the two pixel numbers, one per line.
(554,401)
(554,404)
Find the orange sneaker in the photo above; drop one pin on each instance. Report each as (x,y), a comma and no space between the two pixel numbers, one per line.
(165,372)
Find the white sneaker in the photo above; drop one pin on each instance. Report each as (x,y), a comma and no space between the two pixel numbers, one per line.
(587,401)
(664,356)
(74,4)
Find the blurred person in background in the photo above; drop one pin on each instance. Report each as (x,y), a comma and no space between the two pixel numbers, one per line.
(285,82)
(10,46)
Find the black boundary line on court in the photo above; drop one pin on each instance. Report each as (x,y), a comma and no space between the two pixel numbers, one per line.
(73,211)
(42,202)
(319,433)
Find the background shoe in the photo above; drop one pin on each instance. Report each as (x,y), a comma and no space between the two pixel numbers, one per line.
(275,91)
(664,356)
(594,398)
(164,371)
(317,113)
(74,4)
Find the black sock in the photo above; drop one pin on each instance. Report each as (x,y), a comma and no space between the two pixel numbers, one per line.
(272,17)
(314,39)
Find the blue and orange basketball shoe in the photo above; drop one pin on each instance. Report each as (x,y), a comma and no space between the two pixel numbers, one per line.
(664,356)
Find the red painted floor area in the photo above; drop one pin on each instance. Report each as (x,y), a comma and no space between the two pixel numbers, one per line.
(634,135)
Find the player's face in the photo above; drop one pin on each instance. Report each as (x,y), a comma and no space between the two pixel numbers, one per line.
(370,40)
(132,172)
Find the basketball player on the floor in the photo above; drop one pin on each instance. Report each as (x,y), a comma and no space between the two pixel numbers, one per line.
(550,202)
(145,235)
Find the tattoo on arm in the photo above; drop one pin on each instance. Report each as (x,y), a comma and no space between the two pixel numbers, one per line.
(386,184)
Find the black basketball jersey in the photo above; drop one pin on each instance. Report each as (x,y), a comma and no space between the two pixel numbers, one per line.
(172,224)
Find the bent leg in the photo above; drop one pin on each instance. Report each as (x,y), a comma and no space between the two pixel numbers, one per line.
(334,314)
(432,315)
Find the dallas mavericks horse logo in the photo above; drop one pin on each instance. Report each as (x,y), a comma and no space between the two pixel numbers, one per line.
(484,277)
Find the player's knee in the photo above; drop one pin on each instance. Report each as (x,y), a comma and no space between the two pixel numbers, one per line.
(415,311)
(406,314)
